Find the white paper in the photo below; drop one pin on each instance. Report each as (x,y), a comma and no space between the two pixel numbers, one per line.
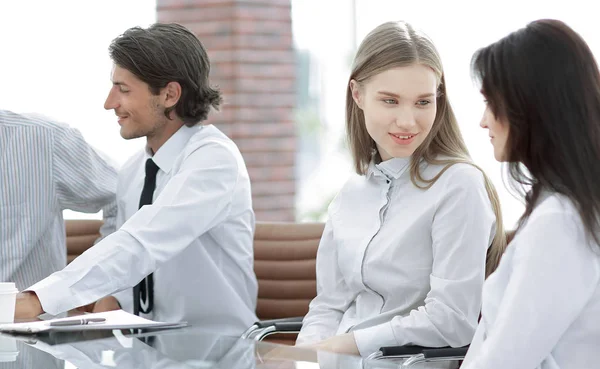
(118,319)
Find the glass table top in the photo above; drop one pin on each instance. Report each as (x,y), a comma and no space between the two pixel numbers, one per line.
(190,347)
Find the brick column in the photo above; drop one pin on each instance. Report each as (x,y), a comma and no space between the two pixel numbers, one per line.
(249,43)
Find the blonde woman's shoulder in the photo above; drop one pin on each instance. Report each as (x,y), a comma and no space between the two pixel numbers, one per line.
(455,174)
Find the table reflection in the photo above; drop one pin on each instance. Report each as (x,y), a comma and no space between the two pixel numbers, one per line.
(181,348)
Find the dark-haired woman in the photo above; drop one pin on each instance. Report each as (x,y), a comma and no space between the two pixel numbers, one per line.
(541,308)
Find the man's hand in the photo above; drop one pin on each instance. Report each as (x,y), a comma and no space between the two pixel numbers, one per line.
(82,309)
(28,305)
(107,303)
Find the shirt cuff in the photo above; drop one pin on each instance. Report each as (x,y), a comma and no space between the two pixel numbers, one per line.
(369,340)
(54,295)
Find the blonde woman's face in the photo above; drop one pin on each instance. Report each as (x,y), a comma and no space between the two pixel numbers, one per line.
(399,106)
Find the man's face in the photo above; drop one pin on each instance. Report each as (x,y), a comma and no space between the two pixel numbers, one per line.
(140,113)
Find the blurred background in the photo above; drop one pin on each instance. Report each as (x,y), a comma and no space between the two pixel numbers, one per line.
(282,65)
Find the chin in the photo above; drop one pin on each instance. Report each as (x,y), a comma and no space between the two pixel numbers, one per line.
(128,135)
(404,153)
(124,134)
(500,157)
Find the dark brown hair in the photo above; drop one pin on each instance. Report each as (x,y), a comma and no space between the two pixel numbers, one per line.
(543,81)
(164,53)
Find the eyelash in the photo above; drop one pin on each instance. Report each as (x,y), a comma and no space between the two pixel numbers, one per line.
(393,101)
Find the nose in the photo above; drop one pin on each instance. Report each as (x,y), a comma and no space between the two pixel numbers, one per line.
(405,119)
(111,100)
(483,123)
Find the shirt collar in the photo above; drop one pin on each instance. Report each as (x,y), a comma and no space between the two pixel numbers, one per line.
(166,154)
(392,168)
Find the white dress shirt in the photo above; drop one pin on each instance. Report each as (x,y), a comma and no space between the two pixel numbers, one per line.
(197,238)
(541,308)
(399,265)
(47,167)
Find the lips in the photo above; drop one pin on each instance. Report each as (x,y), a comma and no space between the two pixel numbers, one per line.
(122,118)
(403,138)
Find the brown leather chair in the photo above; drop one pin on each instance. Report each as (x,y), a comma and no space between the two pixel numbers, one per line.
(81,234)
(284,263)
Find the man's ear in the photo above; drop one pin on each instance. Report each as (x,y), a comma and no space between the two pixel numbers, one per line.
(171,94)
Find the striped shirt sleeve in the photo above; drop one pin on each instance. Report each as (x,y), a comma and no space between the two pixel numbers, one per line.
(83,180)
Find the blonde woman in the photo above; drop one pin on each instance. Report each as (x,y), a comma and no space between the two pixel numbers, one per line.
(402,259)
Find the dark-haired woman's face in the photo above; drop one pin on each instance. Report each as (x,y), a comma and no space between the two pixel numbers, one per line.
(498,130)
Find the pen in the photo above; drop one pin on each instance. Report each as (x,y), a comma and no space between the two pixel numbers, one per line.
(82,321)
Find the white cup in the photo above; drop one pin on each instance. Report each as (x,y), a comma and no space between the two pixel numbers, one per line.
(8,349)
(8,299)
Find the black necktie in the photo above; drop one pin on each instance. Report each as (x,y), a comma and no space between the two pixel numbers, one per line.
(143,292)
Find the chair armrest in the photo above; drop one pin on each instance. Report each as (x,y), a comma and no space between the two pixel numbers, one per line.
(436,355)
(288,326)
(270,322)
(398,351)
(264,328)
(445,352)
(416,354)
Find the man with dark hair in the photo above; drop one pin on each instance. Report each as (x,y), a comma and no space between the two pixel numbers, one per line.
(184,203)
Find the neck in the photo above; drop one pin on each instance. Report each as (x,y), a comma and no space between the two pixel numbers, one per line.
(157,139)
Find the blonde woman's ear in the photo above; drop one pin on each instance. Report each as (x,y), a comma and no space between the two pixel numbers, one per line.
(357,93)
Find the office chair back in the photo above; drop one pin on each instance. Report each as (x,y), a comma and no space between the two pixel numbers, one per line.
(284,263)
(81,234)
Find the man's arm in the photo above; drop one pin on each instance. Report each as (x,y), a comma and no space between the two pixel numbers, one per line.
(109,226)
(83,180)
(196,199)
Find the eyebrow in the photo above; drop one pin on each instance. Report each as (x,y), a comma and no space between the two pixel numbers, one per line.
(117,83)
(397,96)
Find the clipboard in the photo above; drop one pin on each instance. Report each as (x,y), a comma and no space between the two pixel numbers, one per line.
(118,319)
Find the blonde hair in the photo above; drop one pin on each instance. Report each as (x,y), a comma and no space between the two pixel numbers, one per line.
(397,44)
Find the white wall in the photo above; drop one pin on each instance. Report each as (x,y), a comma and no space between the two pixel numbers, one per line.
(458,29)
(54,61)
